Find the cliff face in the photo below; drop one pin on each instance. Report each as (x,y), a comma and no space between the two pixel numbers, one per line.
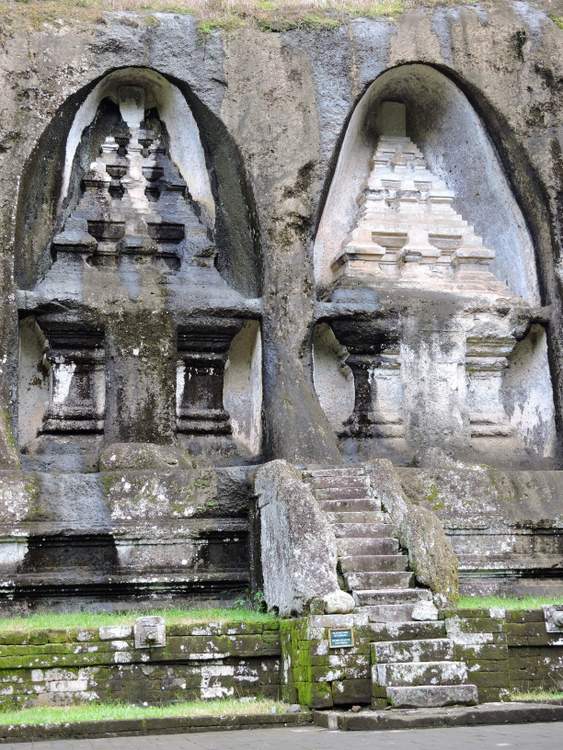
(278,104)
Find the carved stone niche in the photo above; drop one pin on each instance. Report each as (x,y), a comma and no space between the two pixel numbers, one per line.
(372,346)
(76,359)
(203,346)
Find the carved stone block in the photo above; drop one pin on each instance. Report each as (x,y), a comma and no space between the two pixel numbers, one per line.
(554,618)
(149,632)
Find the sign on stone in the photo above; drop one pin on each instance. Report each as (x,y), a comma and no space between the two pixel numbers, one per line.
(341,638)
(150,632)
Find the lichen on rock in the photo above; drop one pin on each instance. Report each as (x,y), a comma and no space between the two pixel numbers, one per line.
(419,531)
(298,545)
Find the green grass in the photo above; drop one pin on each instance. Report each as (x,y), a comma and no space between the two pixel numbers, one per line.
(525,602)
(558,21)
(211,15)
(537,696)
(61,621)
(115,711)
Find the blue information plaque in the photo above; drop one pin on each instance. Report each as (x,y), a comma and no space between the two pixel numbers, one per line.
(341,638)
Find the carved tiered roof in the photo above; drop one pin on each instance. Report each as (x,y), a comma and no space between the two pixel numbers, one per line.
(408,233)
(135,201)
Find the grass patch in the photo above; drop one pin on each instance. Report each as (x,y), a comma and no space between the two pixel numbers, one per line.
(85,620)
(558,21)
(115,711)
(211,15)
(507,602)
(537,696)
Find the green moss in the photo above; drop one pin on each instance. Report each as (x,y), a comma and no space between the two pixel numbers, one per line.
(312,21)
(537,696)
(211,15)
(8,432)
(557,20)
(229,22)
(512,603)
(103,712)
(433,498)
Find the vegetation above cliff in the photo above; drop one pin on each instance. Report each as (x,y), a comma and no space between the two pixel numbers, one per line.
(268,15)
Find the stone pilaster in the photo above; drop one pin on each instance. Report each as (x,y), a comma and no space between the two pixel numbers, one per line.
(485,363)
(77,382)
(203,348)
(367,345)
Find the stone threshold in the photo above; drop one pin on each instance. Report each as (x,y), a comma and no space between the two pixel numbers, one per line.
(136,727)
(451,716)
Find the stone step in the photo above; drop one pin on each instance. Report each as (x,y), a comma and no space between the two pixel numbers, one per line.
(380,579)
(432,696)
(427,649)
(390,596)
(335,471)
(402,674)
(357,516)
(326,483)
(399,631)
(389,613)
(357,530)
(340,493)
(353,505)
(366,546)
(370,563)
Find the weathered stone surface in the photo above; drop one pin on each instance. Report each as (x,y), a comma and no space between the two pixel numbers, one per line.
(62,667)
(272,111)
(123,456)
(504,522)
(428,696)
(298,545)
(419,530)
(424,611)
(338,603)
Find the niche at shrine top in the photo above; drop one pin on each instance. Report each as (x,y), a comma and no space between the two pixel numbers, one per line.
(136,91)
(419,199)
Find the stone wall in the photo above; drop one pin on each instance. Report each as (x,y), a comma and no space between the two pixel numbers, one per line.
(505,526)
(214,660)
(315,675)
(505,652)
(277,105)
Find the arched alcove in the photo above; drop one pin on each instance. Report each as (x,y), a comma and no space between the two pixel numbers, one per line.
(421,223)
(455,144)
(200,147)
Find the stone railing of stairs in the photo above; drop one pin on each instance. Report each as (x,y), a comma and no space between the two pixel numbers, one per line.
(412,659)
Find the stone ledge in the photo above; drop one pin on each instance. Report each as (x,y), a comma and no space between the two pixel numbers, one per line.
(457,716)
(137,727)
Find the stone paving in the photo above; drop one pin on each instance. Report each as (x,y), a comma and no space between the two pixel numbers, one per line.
(520,736)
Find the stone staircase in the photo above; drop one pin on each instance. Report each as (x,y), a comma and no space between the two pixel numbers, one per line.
(413,662)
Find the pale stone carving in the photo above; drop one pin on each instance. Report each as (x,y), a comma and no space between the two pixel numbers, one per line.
(486,360)
(408,232)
